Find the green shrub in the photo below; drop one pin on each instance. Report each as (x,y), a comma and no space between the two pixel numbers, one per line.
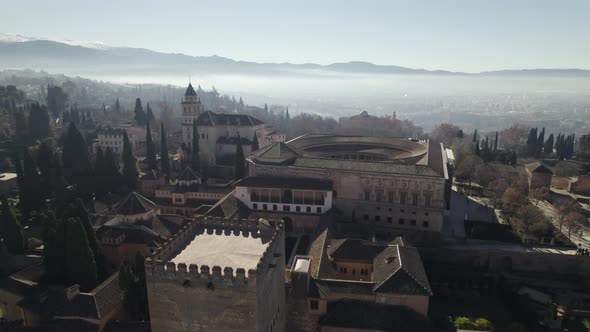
(483,324)
(464,323)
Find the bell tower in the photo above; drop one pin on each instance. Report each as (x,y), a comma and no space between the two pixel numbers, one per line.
(191,109)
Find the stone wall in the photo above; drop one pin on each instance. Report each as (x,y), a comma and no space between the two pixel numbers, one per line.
(215,298)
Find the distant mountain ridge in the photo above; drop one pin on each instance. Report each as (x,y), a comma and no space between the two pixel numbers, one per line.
(18,51)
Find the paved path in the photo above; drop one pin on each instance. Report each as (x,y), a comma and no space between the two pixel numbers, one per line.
(552,213)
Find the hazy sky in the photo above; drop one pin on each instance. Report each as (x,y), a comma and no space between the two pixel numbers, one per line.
(462,35)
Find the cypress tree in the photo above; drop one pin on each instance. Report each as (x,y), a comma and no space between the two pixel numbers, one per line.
(477,153)
(149,116)
(112,173)
(44,162)
(287,116)
(539,144)
(531,141)
(58,183)
(474,140)
(240,162)
(80,266)
(29,193)
(11,230)
(76,162)
(20,127)
(38,122)
(164,158)
(152,160)
(130,171)
(548,146)
(496,143)
(255,145)
(101,181)
(140,116)
(117,106)
(195,160)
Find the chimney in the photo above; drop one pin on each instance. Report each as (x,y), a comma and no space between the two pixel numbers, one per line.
(300,276)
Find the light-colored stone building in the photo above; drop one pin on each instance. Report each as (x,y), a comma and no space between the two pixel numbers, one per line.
(113,138)
(219,275)
(386,184)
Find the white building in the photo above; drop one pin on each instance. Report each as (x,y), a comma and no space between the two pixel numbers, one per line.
(113,138)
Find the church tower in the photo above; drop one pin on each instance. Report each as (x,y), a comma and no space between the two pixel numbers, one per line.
(191,109)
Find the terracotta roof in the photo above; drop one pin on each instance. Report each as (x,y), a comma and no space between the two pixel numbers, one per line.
(229,207)
(133,204)
(284,182)
(210,118)
(399,270)
(537,167)
(354,249)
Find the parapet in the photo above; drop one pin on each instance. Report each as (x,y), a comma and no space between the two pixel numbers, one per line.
(159,266)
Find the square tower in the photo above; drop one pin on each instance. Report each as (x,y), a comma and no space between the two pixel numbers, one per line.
(191,108)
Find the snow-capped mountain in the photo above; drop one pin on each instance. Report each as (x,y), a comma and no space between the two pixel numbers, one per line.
(18,38)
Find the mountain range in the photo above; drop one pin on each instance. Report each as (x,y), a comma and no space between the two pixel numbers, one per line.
(18,52)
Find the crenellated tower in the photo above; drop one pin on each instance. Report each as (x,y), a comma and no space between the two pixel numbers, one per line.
(191,108)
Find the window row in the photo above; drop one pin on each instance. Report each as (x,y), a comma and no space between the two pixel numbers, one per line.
(402,200)
(400,221)
(286,208)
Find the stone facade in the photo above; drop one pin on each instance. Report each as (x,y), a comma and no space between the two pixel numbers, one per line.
(363,194)
(215,298)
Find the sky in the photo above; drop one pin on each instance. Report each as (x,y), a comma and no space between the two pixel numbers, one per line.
(457,35)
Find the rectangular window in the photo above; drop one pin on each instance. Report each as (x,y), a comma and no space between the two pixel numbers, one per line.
(319,210)
(402,198)
(413,222)
(427,201)
(314,305)
(377,218)
(378,195)
(366,217)
(390,220)
(298,208)
(255,206)
(425,224)
(414,199)
(308,209)
(274,207)
(390,196)
(264,207)
(286,208)
(367,195)
(401,221)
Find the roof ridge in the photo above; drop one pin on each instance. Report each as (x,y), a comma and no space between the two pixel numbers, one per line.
(410,274)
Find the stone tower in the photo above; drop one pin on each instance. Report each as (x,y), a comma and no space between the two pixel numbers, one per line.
(191,108)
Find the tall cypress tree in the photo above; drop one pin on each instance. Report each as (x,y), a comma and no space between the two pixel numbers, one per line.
(195,161)
(548,146)
(112,173)
(539,144)
(255,145)
(44,162)
(240,162)
(80,266)
(149,115)
(152,160)
(29,193)
(38,122)
(164,158)
(58,183)
(11,230)
(101,181)
(76,162)
(140,116)
(531,141)
(130,171)
(496,143)
(475,139)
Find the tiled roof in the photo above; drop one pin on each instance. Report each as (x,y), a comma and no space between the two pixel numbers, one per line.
(187,174)
(190,91)
(361,315)
(210,118)
(284,182)
(133,204)
(399,270)
(150,232)
(354,249)
(276,153)
(537,167)
(372,167)
(229,207)
(151,175)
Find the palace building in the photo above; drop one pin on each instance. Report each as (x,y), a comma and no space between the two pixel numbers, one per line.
(381,183)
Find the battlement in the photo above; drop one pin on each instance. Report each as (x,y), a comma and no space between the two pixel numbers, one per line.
(161,267)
